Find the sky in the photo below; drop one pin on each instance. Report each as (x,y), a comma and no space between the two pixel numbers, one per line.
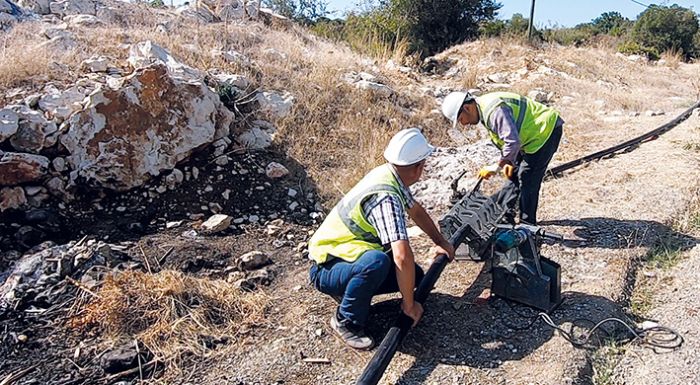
(566,13)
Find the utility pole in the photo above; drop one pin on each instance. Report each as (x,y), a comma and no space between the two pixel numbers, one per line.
(531,21)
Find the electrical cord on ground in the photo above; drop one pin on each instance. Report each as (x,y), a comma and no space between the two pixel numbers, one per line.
(661,337)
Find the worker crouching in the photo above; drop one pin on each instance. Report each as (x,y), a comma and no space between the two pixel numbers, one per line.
(361,249)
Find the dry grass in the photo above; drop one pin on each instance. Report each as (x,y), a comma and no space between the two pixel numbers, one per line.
(173,315)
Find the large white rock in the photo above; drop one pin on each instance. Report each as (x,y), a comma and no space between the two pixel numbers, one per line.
(217,223)
(59,44)
(200,14)
(146,53)
(73,7)
(34,132)
(274,104)
(377,88)
(233,9)
(58,30)
(62,104)
(17,168)
(125,136)
(239,81)
(40,7)
(9,122)
(95,64)
(260,136)
(232,56)
(83,20)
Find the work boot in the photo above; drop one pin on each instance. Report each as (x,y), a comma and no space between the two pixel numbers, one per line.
(337,298)
(353,335)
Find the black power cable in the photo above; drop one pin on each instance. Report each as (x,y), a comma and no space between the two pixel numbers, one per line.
(656,336)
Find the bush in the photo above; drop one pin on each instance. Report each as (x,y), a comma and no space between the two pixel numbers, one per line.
(423,27)
(661,28)
(634,48)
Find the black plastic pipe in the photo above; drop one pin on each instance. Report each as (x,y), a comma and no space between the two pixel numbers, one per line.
(385,352)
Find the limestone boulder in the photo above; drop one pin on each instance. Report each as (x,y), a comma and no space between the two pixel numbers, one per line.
(17,168)
(259,136)
(274,104)
(12,198)
(61,104)
(9,123)
(40,7)
(34,132)
(125,136)
(146,53)
(83,20)
(73,7)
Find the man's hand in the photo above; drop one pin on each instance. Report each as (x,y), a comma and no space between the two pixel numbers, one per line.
(487,172)
(415,311)
(508,170)
(445,248)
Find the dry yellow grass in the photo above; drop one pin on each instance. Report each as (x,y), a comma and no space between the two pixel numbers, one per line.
(172,314)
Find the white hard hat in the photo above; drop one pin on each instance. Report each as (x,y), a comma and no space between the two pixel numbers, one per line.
(408,147)
(453,104)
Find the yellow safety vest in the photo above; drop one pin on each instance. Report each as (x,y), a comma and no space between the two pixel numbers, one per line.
(346,233)
(534,121)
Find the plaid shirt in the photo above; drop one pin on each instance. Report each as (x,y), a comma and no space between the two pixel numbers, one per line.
(386,214)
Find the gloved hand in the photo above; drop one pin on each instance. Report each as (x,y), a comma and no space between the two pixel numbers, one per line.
(487,172)
(508,170)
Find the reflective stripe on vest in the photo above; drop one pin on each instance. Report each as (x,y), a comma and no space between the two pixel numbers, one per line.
(534,121)
(346,233)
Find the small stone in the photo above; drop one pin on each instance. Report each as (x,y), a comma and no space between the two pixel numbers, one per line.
(215,207)
(318,332)
(173,224)
(253,218)
(195,172)
(121,209)
(196,217)
(222,160)
(253,260)
(217,223)
(292,192)
(226,194)
(59,164)
(119,359)
(238,221)
(22,338)
(32,190)
(161,189)
(293,205)
(275,170)
(209,188)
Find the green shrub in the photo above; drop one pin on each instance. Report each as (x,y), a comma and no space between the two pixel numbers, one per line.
(634,48)
(662,28)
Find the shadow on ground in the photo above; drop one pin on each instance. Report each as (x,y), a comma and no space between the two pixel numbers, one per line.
(614,233)
(461,330)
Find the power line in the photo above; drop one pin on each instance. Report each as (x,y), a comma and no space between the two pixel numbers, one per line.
(642,4)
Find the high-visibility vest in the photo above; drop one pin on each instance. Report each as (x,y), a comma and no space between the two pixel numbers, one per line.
(534,121)
(346,233)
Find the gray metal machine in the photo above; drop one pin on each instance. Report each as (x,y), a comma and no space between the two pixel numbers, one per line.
(518,271)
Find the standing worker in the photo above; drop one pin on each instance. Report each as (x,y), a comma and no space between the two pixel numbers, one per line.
(526,132)
(361,249)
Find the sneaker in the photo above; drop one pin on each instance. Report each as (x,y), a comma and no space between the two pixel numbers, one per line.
(353,336)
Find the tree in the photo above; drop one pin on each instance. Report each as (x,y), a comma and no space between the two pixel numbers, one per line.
(612,23)
(662,28)
(303,11)
(431,25)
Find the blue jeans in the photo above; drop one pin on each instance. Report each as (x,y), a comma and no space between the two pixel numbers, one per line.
(357,282)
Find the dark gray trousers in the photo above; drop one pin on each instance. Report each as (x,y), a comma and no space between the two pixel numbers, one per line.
(531,172)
